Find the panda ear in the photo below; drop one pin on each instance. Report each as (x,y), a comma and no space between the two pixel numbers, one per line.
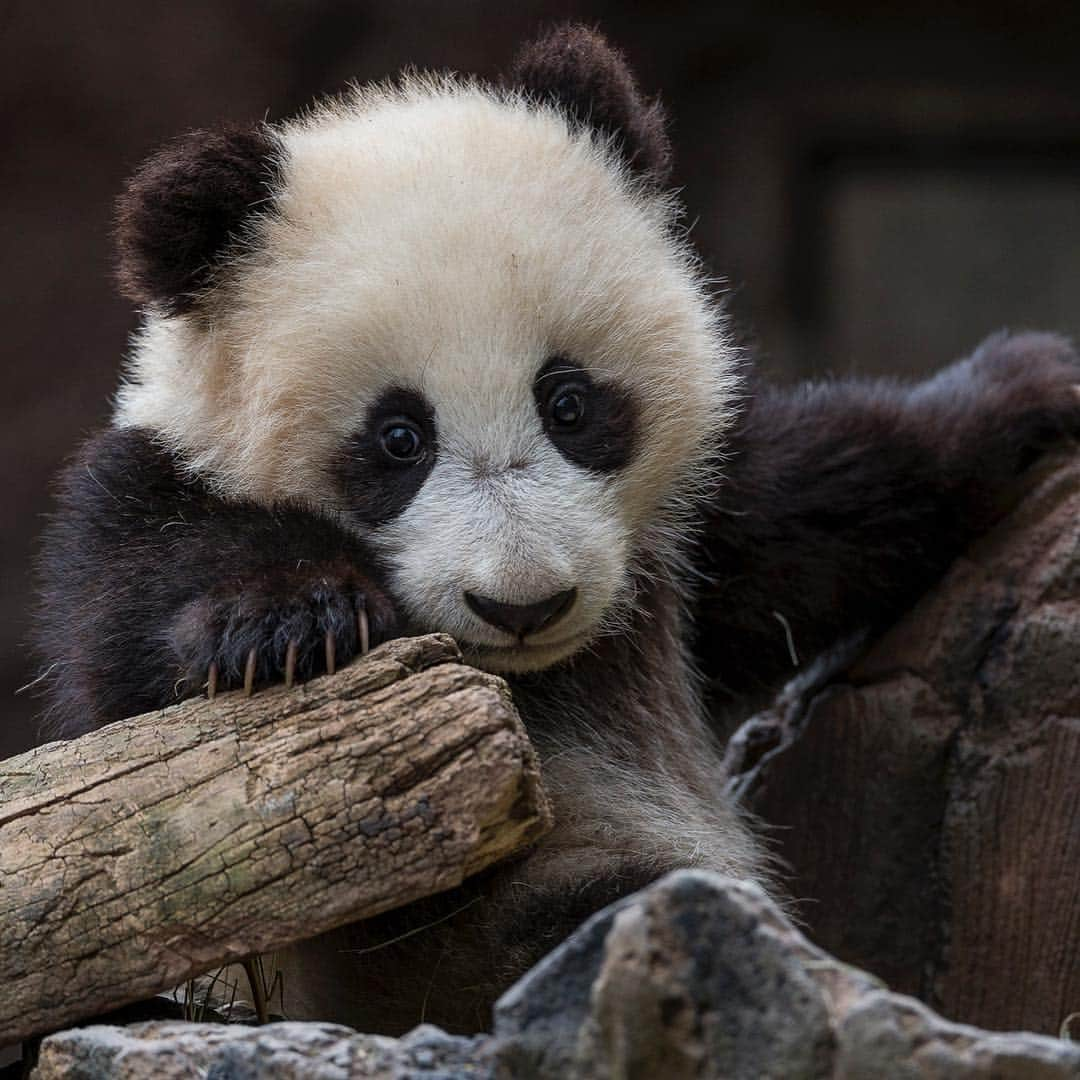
(578,70)
(186,206)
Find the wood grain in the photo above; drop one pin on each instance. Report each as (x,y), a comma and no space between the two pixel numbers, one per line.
(166,845)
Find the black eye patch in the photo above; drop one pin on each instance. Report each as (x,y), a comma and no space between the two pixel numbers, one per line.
(382,466)
(592,424)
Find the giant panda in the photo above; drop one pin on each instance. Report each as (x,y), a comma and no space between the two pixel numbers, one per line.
(438,356)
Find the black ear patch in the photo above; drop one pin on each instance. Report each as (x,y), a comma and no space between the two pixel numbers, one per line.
(184,207)
(577,69)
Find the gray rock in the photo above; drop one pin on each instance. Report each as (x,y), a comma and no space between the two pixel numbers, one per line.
(889,1035)
(173,1050)
(702,976)
(697,976)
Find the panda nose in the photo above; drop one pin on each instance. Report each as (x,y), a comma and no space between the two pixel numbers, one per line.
(522,619)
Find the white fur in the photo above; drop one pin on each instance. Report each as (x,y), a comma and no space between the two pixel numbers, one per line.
(450,238)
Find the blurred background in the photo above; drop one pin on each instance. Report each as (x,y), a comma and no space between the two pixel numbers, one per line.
(879,184)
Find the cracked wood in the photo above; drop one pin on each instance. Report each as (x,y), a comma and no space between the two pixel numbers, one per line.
(169,844)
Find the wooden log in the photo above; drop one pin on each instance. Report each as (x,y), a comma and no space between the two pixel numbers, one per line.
(928,799)
(167,845)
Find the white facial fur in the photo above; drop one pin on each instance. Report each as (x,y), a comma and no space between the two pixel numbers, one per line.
(450,239)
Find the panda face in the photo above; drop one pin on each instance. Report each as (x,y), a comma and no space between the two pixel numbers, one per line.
(529,559)
(511,545)
(467,333)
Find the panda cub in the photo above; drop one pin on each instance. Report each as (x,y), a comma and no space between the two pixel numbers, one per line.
(437,356)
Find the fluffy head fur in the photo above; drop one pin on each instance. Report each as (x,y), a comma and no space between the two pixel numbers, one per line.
(449,238)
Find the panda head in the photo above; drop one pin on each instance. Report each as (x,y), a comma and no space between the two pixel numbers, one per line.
(458,318)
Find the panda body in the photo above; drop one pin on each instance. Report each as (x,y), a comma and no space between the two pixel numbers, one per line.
(437,357)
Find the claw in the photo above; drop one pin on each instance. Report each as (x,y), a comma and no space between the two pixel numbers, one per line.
(290,665)
(331,665)
(249,674)
(362,626)
(211,682)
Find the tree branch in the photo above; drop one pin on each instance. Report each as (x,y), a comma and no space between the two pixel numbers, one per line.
(170,844)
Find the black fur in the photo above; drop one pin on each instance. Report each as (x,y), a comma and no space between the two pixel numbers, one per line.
(148,578)
(580,71)
(445,959)
(186,206)
(842,501)
(376,487)
(606,438)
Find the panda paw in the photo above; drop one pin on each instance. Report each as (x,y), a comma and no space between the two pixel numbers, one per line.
(1029,385)
(995,414)
(279,626)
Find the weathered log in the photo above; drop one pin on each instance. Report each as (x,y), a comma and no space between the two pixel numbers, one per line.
(929,799)
(166,845)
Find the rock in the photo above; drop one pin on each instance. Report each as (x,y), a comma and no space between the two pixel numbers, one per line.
(702,976)
(697,976)
(926,799)
(173,1050)
(677,981)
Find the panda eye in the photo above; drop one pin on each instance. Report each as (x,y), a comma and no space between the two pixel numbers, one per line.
(593,424)
(402,440)
(386,460)
(566,407)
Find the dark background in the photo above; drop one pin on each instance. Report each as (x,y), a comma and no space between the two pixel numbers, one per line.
(880,185)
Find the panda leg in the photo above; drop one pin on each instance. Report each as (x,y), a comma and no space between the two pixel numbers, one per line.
(154,588)
(843,501)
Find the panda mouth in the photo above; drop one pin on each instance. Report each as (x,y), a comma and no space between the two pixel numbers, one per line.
(523,651)
(519,646)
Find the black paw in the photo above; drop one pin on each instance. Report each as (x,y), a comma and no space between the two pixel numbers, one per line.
(1016,397)
(279,626)
(1029,391)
